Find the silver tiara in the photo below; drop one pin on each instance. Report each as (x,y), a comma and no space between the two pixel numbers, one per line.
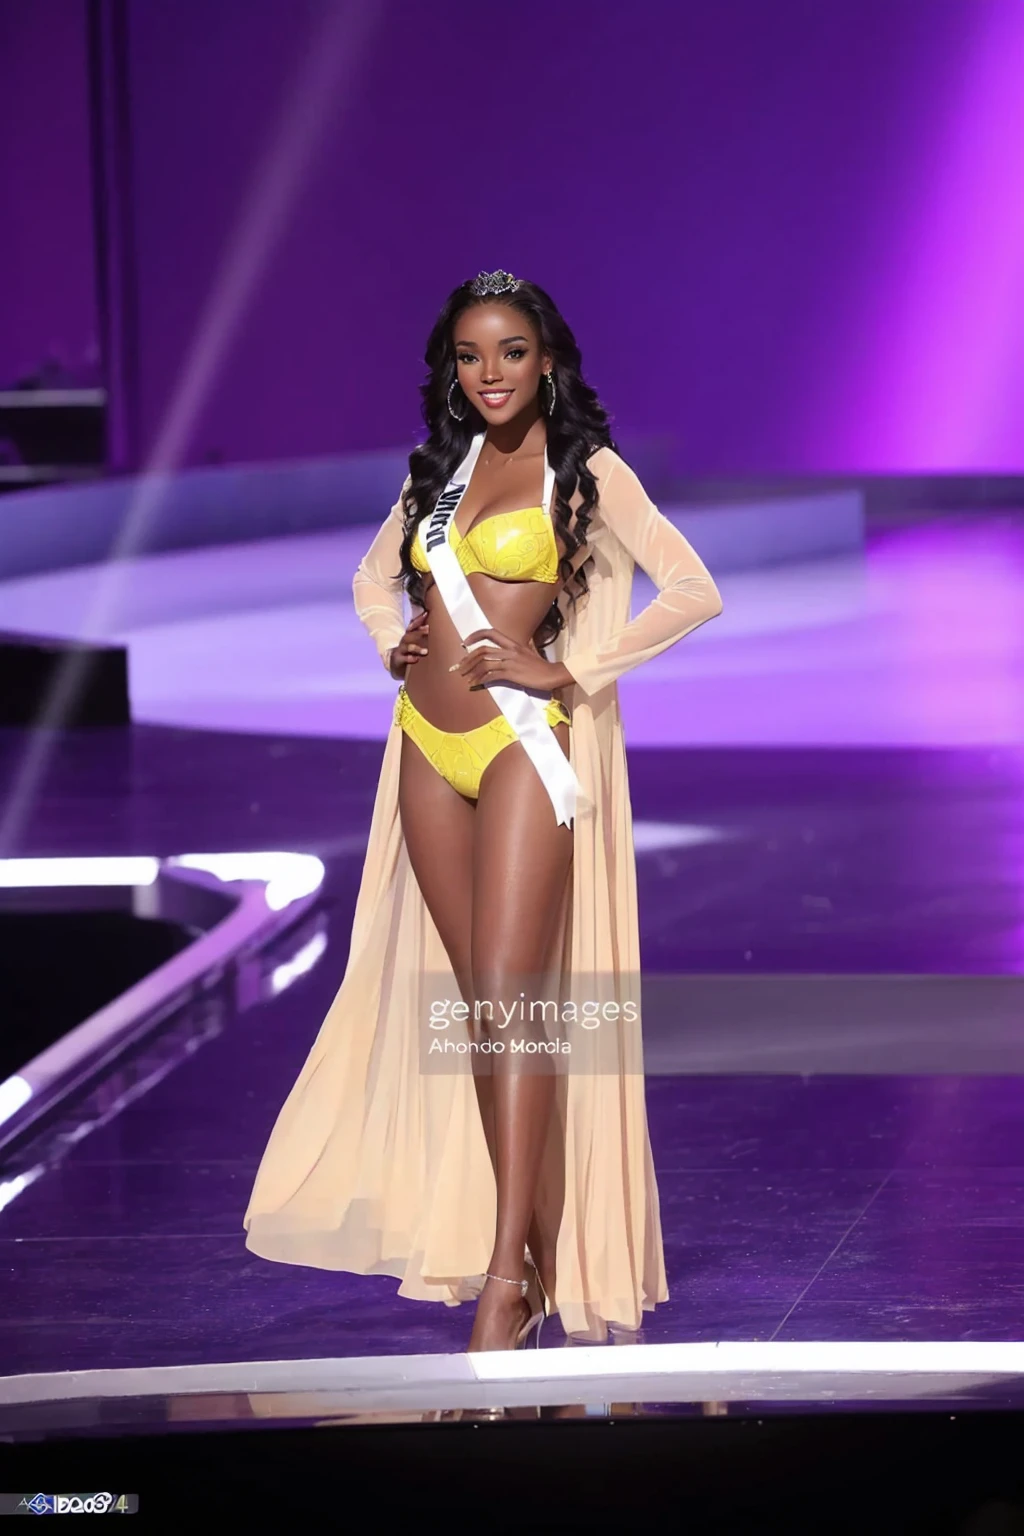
(488,285)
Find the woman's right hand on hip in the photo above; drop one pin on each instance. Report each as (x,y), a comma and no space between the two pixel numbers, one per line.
(411,646)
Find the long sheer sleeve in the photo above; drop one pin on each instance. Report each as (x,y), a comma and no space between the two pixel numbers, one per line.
(687,595)
(377,585)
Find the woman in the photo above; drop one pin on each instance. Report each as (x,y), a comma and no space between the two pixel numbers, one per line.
(499,865)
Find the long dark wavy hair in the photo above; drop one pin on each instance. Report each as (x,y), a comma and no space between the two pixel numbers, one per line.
(577,427)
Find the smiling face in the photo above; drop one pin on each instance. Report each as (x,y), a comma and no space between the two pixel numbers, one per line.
(500,361)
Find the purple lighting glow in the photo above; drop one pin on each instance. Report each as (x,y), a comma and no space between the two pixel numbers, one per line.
(942,383)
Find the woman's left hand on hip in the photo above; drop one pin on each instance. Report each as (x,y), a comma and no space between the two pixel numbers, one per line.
(503,660)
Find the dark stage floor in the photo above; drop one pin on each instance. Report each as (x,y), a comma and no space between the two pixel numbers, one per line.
(836,1206)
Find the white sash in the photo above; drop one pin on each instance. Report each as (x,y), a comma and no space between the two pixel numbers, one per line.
(523,711)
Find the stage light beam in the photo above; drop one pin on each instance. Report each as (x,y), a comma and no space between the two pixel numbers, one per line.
(319,90)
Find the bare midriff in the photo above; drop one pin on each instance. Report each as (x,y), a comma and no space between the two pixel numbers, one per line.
(515,608)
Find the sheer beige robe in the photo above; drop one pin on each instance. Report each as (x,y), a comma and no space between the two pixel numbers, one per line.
(379,1167)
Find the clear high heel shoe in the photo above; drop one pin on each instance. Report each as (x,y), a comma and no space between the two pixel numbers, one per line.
(538,1304)
(537,1297)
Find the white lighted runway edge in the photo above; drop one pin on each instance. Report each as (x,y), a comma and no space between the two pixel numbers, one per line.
(757,1372)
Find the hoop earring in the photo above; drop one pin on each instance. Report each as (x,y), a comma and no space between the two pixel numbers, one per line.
(552,393)
(452,413)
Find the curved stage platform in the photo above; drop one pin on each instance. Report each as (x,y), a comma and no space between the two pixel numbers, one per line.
(878,648)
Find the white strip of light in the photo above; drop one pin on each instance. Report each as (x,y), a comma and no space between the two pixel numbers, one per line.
(288,876)
(10,1189)
(955,1357)
(21,874)
(14,1093)
(647,1370)
(303,961)
(651,836)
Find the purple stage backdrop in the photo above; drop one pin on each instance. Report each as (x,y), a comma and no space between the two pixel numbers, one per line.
(789,234)
(47,258)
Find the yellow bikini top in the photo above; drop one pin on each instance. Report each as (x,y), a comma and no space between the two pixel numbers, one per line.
(511,546)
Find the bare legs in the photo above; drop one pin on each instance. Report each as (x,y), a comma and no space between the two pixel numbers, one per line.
(521,862)
(494,876)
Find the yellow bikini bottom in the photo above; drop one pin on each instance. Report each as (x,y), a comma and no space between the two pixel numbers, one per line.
(461,756)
